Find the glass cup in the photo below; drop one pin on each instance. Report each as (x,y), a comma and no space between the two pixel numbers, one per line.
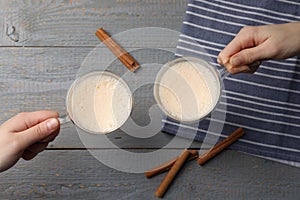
(98,102)
(188,89)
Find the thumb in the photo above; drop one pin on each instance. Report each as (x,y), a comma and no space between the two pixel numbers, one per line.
(250,55)
(39,132)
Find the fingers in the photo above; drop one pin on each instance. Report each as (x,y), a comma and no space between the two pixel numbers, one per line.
(44,131)
(26,120)
(247,60)
(33,150)
(244,39)
(250,69)
(251,55)
(245,51)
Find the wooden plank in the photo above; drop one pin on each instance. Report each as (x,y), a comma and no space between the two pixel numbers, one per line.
(77,175)
(36,78)
(73,23)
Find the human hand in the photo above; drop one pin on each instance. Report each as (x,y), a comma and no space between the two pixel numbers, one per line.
(254,44)
(25,135)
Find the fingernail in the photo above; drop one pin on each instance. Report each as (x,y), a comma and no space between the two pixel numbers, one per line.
(236,61)
(52,123)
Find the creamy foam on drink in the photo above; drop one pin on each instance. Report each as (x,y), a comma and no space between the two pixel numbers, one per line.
(188,91)
(100,102)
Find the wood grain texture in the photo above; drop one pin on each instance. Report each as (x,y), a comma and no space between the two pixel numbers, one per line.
(73,23)
(231,175)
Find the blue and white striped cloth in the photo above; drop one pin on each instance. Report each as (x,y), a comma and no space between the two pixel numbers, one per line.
(267,103)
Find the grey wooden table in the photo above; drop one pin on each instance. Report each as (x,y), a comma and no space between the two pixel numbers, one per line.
(42,47)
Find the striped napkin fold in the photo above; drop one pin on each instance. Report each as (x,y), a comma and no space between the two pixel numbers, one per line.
(266,104)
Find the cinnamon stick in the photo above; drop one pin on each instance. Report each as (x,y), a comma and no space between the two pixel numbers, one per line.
(116,49)
(167,165)
(221,146)
(160,169)
(171,174)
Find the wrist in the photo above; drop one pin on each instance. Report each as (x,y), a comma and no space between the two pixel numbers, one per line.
(294,28)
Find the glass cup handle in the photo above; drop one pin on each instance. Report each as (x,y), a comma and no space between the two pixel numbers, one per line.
(64,119)
(223,73)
